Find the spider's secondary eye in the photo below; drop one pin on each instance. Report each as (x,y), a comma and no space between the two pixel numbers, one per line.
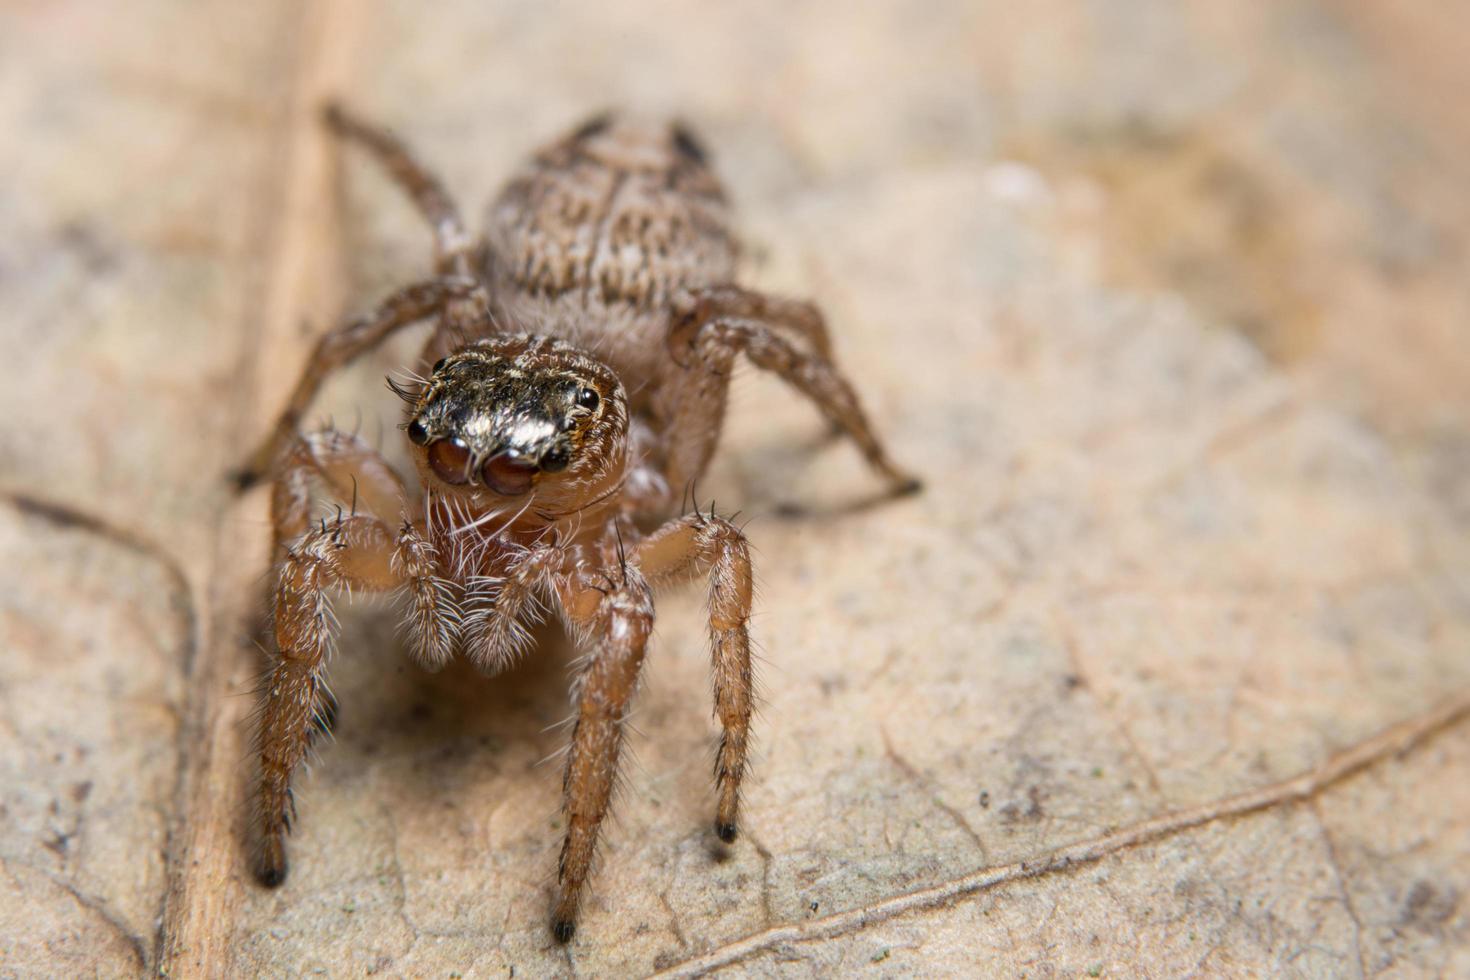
(450,461)
(417,434)
(439,365)
(588,399)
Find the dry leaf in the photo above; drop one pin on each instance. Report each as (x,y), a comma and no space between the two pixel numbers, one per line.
(1164,673)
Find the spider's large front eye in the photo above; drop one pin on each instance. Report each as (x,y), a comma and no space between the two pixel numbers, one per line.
(507,475)
(450,462)
(588,399)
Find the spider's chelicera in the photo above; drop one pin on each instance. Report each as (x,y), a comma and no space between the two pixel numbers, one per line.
(580,367)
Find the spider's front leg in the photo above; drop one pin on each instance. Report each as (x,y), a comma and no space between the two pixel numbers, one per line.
(618,612)
(680,548)
(712,328)
(354,550)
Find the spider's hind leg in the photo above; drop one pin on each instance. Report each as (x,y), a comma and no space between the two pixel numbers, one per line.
(454,250)
(782,336)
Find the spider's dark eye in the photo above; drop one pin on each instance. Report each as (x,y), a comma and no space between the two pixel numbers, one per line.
(450,462)
(507,475)
(588,399)
(417,434)
(439,365)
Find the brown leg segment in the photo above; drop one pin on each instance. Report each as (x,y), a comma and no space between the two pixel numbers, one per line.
(798,316)
(354,551)
(342,463)
(692,403)
(406,306)
(622,622)
(358,476)
(453,248)
(678,549)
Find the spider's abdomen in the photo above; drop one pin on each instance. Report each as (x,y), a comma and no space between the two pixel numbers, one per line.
(597,236)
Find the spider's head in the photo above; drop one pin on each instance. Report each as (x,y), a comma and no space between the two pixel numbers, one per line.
(511,416)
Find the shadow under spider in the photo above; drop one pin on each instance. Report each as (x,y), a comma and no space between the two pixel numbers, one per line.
(441,733)
(456,727)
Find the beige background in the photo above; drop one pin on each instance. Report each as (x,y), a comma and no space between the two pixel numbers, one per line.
(1166,300)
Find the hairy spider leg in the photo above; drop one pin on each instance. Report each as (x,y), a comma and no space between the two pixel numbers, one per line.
(616,612)
(455,252)
(691,401)
(801,317)
(354,338)
(354,550)
(677,550)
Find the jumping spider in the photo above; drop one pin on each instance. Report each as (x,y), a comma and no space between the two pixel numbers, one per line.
(581,361)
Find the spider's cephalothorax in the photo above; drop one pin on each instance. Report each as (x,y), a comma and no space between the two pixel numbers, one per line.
(581,365)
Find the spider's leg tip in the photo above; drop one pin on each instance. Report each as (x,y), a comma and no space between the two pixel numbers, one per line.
(908,487)
(726,832)
(562,930)
(272,875)
(244,478)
